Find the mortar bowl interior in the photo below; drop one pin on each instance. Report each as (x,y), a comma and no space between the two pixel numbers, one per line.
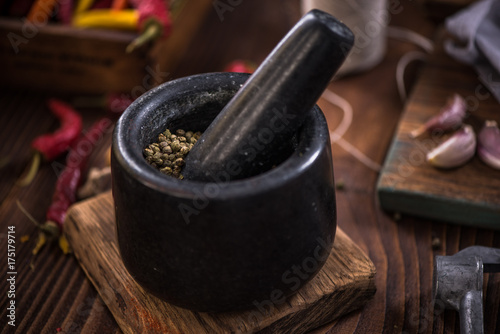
(219,246)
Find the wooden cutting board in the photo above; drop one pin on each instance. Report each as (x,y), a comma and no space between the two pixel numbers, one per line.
(345,283)
(408,184)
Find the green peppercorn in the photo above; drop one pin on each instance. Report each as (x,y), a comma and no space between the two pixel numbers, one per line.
(168,153)
(166,170)
(148,152)
(179,162)
(175,146)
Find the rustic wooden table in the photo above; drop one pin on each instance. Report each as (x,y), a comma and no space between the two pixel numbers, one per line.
(53,294)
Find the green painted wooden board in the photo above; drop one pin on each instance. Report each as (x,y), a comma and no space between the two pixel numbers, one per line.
(469,194)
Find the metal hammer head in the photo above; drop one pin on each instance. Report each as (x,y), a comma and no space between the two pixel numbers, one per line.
(458,283)
(455,276)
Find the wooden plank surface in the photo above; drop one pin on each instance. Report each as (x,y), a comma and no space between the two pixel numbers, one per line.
(345,283)
(57,58)
(469,194)
(52,291)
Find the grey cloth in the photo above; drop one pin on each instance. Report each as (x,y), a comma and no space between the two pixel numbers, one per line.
(477,29)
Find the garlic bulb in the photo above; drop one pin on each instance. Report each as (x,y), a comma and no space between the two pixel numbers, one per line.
(456,150)
(488,146)
(450,117)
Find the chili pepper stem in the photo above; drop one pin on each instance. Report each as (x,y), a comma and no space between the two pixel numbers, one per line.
(27,214)
(64,245)
(41,241)
(152,30)
(33,170)
(48,230)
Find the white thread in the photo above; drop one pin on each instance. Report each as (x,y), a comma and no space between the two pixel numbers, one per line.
(337,134)
(347,113)
(401,67)
(358,155)
(357,12)
(410,36)
(407,35)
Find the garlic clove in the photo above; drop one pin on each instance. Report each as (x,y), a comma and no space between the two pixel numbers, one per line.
(488,145)
(450,117)
(456,150)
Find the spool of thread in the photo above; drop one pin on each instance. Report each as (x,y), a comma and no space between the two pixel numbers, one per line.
(368,21)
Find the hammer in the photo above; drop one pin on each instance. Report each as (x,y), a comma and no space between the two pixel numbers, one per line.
(458,283)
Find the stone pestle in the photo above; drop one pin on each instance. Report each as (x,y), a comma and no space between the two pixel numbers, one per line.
(258,124)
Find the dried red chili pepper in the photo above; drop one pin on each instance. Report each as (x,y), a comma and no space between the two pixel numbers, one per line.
(240,66)
(65,12)
(52,145)
(40,11)
(74,172)
(116,103)
(65,193)
(119,4)
(154,21)
(68,182)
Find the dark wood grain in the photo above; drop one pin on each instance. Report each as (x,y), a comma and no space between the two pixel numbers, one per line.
(401,249)
(344,284)
(51,290)
(56,58)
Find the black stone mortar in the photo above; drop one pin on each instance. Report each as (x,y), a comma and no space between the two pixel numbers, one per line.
(218,246)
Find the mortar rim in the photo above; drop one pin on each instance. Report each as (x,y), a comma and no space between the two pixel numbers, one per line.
(314,132)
